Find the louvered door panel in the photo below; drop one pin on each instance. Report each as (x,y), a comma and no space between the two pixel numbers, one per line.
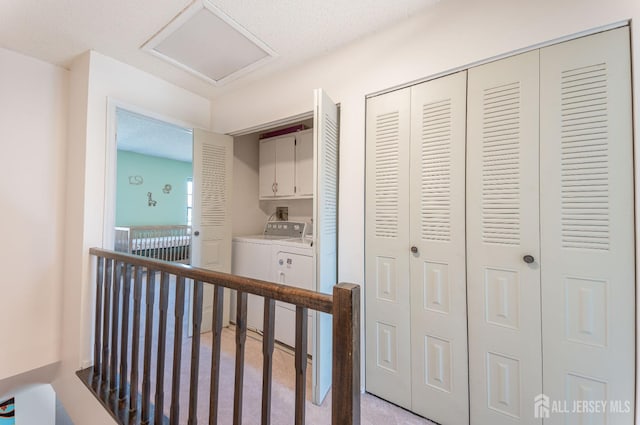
(388,360)
(325,221)
(212,174)
(438,269)
(505,361)
(588,283)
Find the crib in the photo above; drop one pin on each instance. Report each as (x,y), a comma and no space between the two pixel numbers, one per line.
(169,243)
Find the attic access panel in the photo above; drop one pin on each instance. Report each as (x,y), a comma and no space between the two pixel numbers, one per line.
(209,44)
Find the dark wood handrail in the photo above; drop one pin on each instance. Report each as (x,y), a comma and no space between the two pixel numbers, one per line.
(290,294)
(119,283)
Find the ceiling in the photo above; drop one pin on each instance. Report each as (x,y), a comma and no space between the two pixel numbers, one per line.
(148,136)
(57,31)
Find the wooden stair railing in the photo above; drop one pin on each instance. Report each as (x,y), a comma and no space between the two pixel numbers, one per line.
(114,377)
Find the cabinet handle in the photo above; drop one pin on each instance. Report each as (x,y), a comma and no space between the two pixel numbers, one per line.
(414,249)
(273,187)
(528,259)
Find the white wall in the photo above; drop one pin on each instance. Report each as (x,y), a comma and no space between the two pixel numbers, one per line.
(450,35)
(94,79)
(248,218)
(33,117)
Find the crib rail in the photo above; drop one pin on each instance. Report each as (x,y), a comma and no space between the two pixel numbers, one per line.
(123,281)
(168,243)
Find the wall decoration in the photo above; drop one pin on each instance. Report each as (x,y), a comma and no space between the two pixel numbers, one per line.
(152,203)
(7,412)
(167,188)
(136,180)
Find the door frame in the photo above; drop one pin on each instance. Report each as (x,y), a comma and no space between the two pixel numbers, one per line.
(111,155)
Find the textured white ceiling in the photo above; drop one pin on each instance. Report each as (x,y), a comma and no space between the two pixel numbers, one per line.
(57,31)
(148,136)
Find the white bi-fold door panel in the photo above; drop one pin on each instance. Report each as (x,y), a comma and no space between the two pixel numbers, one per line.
(388,307)
(416,322)
(505,356)
(439,377)
(587,241)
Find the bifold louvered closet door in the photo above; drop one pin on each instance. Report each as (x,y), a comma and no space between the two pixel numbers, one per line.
(416,334)
(550,248)
(587,228)
(535,253)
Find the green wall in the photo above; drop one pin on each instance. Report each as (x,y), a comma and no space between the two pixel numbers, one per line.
(132,207)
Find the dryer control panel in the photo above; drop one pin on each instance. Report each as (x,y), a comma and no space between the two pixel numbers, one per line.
(285,229)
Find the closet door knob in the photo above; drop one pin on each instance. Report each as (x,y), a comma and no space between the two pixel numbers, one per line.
(196,233)
(528,259)
(414,249)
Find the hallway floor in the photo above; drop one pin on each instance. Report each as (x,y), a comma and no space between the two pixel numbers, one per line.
(374,411)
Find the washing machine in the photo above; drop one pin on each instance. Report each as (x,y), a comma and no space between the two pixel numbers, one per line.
(253,257)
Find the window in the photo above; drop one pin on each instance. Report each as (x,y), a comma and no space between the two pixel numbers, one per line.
(189,200)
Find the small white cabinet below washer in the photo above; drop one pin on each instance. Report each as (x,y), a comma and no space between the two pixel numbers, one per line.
(292,264)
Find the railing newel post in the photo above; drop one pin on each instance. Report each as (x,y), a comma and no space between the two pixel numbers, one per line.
(345,398)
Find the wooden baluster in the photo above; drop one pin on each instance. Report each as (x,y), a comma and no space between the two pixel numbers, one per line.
(301,363)
(124,338)
(241,337)
(345,401)
(115,319)
(106,319)
(216,347)
(162,342)
(135,339)
(177,351)
(195,353)
(98,321)
(148,341)
(267,357)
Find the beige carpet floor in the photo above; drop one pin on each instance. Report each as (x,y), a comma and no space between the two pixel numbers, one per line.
(374,411)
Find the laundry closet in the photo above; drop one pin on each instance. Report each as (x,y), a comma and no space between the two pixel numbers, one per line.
(499,239)
(285,224)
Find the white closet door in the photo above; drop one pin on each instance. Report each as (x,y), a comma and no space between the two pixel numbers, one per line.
(325,231)
(438,268)
(211,241)
(588,282)
(505,360)
(388,309)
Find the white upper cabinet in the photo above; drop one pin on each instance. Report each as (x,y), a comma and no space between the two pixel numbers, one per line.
(277,168)
(286,166)
(304,164)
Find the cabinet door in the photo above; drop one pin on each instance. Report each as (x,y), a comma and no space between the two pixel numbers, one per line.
(388,308)
(586,204)
(285,165)
(267,169)
(503,291)
(304,163)
(438,268)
